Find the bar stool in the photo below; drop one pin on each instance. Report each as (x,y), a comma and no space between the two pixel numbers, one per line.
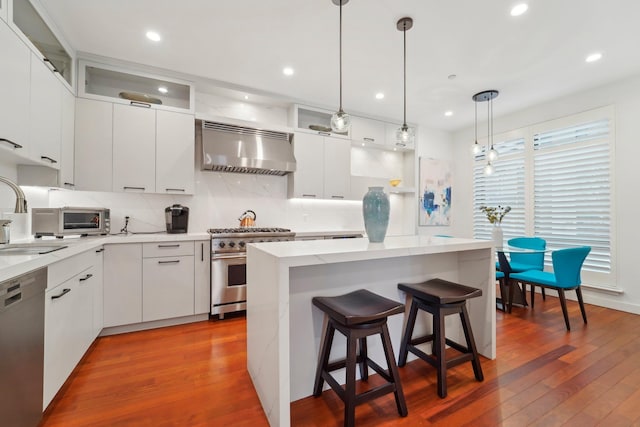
(357,315)
(440,298)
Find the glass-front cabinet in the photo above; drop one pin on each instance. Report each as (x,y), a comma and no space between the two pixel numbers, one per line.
(34,30)
(107,83)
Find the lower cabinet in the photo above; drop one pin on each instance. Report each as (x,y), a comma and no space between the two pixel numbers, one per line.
(202,274)
(122,284)
(167,287)
(69,317)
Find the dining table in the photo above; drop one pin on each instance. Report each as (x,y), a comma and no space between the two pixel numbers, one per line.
(519,295)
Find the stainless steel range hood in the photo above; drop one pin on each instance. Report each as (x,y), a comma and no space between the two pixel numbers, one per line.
(232,148)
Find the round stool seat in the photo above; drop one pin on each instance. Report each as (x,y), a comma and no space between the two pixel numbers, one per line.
(438,291)
(358,307)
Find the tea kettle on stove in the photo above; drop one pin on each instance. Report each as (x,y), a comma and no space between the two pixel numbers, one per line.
(247,219)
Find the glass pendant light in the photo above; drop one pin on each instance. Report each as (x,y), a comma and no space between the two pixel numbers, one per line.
(340,121)
(405,135)
(492,153)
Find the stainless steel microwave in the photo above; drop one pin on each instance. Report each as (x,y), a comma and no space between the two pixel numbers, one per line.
(67,221)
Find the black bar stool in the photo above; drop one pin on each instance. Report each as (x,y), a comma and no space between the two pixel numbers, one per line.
(440,298)
(357,315)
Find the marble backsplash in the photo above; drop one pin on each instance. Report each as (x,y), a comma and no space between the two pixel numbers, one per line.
(220,198)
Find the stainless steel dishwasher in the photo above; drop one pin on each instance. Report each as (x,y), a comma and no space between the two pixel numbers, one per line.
(22,349)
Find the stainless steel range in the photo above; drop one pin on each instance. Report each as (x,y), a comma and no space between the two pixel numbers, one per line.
(229,264)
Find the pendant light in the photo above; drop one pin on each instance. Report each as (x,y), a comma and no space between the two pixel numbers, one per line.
(340,121)
(405,135)
(492,153)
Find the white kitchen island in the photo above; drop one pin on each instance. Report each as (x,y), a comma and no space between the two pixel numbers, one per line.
(284,328)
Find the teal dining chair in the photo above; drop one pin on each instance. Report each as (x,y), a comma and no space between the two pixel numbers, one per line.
(567,265)
(524,262)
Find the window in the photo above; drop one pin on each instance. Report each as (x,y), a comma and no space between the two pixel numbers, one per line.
(557,179)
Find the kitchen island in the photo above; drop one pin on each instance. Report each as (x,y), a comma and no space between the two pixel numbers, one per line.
(284,329)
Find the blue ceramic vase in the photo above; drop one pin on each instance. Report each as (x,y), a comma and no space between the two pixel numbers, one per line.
(375,210)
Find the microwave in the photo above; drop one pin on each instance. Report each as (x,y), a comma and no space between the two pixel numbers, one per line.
(67,221)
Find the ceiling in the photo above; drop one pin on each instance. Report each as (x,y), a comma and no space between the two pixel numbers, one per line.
(530,59)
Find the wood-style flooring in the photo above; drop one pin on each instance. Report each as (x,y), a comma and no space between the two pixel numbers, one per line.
(195,375)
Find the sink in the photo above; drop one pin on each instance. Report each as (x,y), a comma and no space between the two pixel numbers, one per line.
(29,249)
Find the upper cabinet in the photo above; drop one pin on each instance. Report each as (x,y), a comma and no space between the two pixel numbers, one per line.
(367,131)
(29,24)
(314,120)
(45,114)
(14,87)
(107,83)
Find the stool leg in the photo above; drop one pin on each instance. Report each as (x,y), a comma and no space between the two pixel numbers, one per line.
(471,343)
(393,370)
(408,332)
(439,351)
(364,368)
(323,355)
(350,380)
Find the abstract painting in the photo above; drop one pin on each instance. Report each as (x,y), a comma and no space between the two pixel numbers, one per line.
(435,192)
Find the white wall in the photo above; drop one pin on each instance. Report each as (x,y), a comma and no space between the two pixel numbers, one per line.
(624,95)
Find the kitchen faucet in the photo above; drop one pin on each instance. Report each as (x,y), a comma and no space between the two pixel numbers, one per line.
(21,201)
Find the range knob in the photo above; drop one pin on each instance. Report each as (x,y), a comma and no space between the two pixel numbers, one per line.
(231,244)
(221,245)
(241,244)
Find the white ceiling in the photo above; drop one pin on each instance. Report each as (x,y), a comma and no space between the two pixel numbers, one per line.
(529,59)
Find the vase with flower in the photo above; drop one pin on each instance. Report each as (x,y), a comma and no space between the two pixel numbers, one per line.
(494,216)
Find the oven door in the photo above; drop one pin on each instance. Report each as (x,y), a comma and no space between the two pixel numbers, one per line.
(228,283)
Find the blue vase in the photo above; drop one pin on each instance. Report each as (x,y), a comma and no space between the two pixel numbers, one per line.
(375,210)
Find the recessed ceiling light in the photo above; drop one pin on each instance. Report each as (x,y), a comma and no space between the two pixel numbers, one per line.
(594,57)
(163,89)
(448,113)
(152,35)
(379,95)
(246,97)
(519,9)
(287,71)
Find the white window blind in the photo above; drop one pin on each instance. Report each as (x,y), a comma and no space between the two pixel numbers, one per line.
(505,187)
(572,190)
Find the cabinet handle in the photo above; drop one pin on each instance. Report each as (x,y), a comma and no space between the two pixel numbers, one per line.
(70,184)
(100,250)
(140,104)
(401,144)
(64,292)
(168,246)
(10,142)
(175,189)
(308,195)
(175,261)
(202,253)
(369,139)
(324,133)
(87,277)
(133,188)
(48,158)
(53,67)
(337,197)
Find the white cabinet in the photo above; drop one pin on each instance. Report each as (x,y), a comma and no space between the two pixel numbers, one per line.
(134,152)
(367,131)
(175,151)
(98,292)
(66,174)
(120,147)
(201,279)
(93,145)
(14,87)
(122,284)
(167,287)
(70,299)
(322,167)
(337,168)
(3,10)
(45,114)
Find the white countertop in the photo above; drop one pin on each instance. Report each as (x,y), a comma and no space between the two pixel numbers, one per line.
(311,252)
(321,234)
(15,265)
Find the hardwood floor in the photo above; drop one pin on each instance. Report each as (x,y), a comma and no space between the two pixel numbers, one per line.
(195,375)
